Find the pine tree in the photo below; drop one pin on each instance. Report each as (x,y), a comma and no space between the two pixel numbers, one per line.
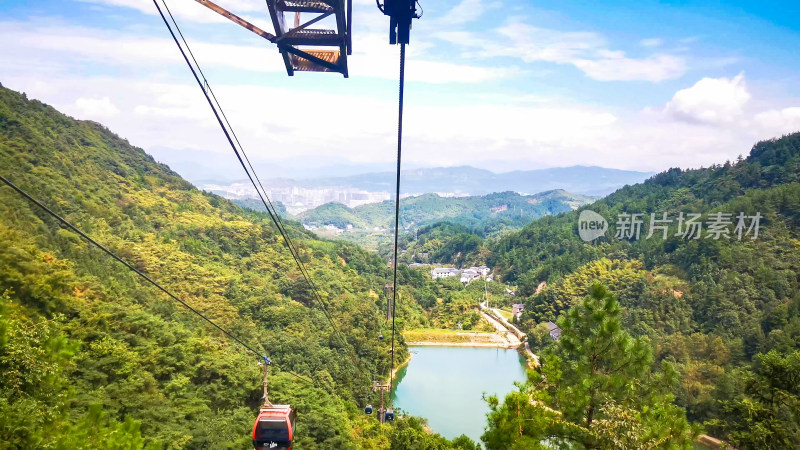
(597,389)
(767,413)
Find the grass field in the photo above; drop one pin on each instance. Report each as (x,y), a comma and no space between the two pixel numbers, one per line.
(448,336)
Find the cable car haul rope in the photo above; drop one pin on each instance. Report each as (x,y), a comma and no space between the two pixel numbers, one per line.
(275,425)
(72,227)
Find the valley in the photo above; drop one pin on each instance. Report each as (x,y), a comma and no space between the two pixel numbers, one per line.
(370,225)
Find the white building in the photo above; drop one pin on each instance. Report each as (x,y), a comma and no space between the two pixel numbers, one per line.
(443,272)
(482,270)
(469,275)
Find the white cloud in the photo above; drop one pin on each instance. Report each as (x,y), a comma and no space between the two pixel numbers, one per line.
(711,101)
(96,108)
(782,121)
(539,44)
(185,10)
(589,52)
(466,11)
(373,57)
(651,42)
(71,45)
(723,104)
(361,129)
(619,68)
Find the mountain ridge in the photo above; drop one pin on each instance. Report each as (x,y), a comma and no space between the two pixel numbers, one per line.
(483,215)
(469,180)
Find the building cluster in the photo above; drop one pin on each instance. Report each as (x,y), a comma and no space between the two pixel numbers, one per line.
(466,275)
(516,310)
(329,228)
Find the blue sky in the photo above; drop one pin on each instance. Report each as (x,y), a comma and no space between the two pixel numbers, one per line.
(491,83)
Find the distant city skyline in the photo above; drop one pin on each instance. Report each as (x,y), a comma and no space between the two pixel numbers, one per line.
(493,84)
(298,195)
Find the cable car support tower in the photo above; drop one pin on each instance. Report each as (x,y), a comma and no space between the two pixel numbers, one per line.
(299,44)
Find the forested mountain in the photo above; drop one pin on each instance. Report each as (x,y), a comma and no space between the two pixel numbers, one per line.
(93,357)
(485,214)
(720,310)
(371,225)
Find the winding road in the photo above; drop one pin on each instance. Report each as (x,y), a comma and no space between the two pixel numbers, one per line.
(502,329)
(505,328)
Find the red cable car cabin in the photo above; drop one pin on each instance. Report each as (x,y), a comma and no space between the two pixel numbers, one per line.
(274,427)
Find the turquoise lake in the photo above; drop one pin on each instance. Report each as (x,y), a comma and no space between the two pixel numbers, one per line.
(446,384)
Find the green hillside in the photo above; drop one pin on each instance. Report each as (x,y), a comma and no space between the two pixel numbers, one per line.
(485,213)
(92,357)
(722,314)
(371,225)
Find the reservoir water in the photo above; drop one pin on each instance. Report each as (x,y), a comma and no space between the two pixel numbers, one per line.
(445,385)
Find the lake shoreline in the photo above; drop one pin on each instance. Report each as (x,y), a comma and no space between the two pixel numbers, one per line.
(400,366)
(461,344)
(397,368)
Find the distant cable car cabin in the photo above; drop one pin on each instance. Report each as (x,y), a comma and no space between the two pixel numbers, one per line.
(304,49)
(368,409)
(388,416)
(274,427)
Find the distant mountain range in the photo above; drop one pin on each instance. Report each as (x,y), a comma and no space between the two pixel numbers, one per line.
(586,180)
(356,190)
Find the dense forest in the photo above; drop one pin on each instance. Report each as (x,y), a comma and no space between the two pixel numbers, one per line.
(93,357)
(716,318)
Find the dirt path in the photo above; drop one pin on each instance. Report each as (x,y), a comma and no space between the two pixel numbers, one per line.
(507,324)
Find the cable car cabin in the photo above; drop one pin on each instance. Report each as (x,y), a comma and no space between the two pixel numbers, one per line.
(388,415)
(274,427)
(368,409)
